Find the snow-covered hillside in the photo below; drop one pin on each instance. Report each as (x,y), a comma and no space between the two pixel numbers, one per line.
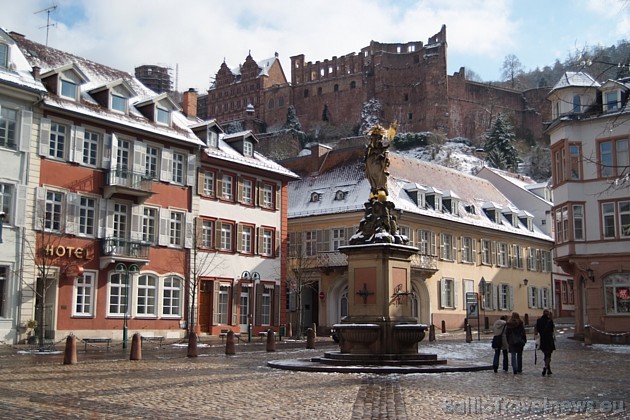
(452,154)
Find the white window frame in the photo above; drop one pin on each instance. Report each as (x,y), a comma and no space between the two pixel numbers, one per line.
(208,184)
(446,247)
(207,233)
(58,141)
(85,214)
(146,295)
(172,295)
(248,148)
(267,243)
(578,222)
(265,306)
(150,221)
(9,127)
(338,238)
(267,196)
(117,292)
(227,187)
(89,155)
(176,225)
(7,194)
(609,220)
(623,207)
(64,83)
(248,191)
(486,252)
(84,295)
(54,211)
(152,162)
(468,249)
(178,170)
(447,293)
(227,234)
(505,297)
(247,239)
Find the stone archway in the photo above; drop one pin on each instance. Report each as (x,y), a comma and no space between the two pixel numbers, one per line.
(422,301)
(337,294)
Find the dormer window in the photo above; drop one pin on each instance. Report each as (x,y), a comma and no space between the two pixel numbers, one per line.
(493,212)
(163,116)
(213,139)
(611,101)
(114,95)
(248,148)
(69,89)
(315,197)
(470,209)
(340,195)
(119,103)
(4,55)
(157,109)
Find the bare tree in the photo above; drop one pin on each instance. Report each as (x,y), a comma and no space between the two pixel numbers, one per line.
(511,69)
(301,276)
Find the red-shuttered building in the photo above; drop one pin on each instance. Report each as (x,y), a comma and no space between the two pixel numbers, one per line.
(111,179)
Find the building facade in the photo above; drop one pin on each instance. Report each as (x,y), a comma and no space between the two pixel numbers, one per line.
(589,144)
(464,228)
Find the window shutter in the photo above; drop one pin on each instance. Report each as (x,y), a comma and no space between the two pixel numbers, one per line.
(201,177)
(276,305)
(217,234)
(498,297)
(191,168)
(102,218)
(455,257)
(442,293)
(44,137)
(530,301)
(278,202)
(107,150)
(136,223)
(163,234)
(540,297)
(76,150)
(239,189)
(113,151)
(493,253)
(110,218)
(219,183)
(235,302)
(433,244)
(40,208)
(258,308)
(473,251)
(215,302)
(26,125)
(19,219)
(139,157)
(278,242)
(259,240)
(166,169)
(72,206)
(455,293)
(511,297)
(189,231)
(538,263)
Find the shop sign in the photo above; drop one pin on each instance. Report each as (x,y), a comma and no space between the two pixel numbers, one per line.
(623,293)
(66,251)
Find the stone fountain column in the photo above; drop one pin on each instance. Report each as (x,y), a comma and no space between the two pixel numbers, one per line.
(379,318)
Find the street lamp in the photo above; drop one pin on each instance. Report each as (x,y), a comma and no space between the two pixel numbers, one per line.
(255,276)
(122,268)
(482,290)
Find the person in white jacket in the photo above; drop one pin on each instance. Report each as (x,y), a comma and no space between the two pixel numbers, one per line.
(498,329)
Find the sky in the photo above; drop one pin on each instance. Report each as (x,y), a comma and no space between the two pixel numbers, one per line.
(193,37)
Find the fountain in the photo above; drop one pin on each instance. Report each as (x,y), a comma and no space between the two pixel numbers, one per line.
(379,334)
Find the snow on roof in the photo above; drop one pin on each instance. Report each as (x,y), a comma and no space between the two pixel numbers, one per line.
(575,79)
(98,75)
(405,174)
(227,153)
(263,66)
(19,71)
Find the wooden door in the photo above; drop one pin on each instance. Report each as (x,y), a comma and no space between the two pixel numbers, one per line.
(205,305)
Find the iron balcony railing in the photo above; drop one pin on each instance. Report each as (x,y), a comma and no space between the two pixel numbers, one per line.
(129,179)
(125,248)
(338,259)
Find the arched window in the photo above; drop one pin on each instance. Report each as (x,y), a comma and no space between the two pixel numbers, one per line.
(172,296)
(146,295)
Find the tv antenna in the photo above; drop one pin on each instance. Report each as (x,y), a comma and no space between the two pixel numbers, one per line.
(48,10)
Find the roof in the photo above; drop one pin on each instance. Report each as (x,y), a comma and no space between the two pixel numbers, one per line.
(98,75)
(575,79)
(19,72)
(405,173)
(264,66)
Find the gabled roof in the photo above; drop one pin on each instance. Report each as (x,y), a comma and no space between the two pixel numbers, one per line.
(263,66)
(575,79)
(162,97)
(241,135)
(113,84)
(66,67)
(18,74)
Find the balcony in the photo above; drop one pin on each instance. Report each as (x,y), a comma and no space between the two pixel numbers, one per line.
(423,263)
(328,261)
(117,249)
(125,182)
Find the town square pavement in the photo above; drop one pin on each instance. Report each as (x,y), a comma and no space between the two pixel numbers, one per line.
(588,382)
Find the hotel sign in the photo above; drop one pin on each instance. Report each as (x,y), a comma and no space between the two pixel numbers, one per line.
(66,251)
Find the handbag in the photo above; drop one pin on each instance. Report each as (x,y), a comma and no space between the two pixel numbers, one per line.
(497,341)
(518,341)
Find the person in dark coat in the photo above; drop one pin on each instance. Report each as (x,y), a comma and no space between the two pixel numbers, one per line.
(516,337)
(498,329)
(545,329)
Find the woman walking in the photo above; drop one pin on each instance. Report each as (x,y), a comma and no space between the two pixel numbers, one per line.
(545,328)
(515,332)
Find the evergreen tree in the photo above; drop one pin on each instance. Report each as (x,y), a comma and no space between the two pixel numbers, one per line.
(370,115)
(293,123)
(499,148)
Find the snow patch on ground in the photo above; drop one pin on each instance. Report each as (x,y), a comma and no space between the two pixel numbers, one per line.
(452,154)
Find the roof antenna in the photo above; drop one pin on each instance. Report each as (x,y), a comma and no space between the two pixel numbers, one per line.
(48,24)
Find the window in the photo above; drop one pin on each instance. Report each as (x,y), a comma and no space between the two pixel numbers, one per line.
(578,222)
(147,294)
(8,124)
(338,238)
(118,294)
(517,256)
(545,261)
(608,220)
(4,55)
(447,293)
(532,297)
(6,200)
(84,288)
(502,254)
(151,162)
(610,99)
(567,292)
(446,246)
(574,162)
(87,216)
(353,85)
(247,195)
(178,168)
(265,307)
(310,243)
(267,243)
(614,158)
(58,136)
(207,232)
(223,304)
(486,252)
(163,116)
(267,196)
(226,237)
(246,239)
(52,217)
(119,103)
(406,232)
(531,259)
(468,249)
(487,298)
(624,219)
(562,224)
(149,222)
(248,149)
(208,184)
(69,89)
(506,297)
(617,292)
(577,104)
(227,188)
(172,296)
(90,148)
(427,243)
(176,235)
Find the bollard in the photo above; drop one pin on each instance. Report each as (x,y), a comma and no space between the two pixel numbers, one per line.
(230,348)
(192,345)
(588,338)
(432,332)
(310,338)
(271,340)
(486,323)
(468,334)
(526,320)
(70,353)
(289,330)
(443,327)
(136,347)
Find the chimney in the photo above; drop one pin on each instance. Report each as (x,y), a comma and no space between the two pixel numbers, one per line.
(37,72)
(189,103)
